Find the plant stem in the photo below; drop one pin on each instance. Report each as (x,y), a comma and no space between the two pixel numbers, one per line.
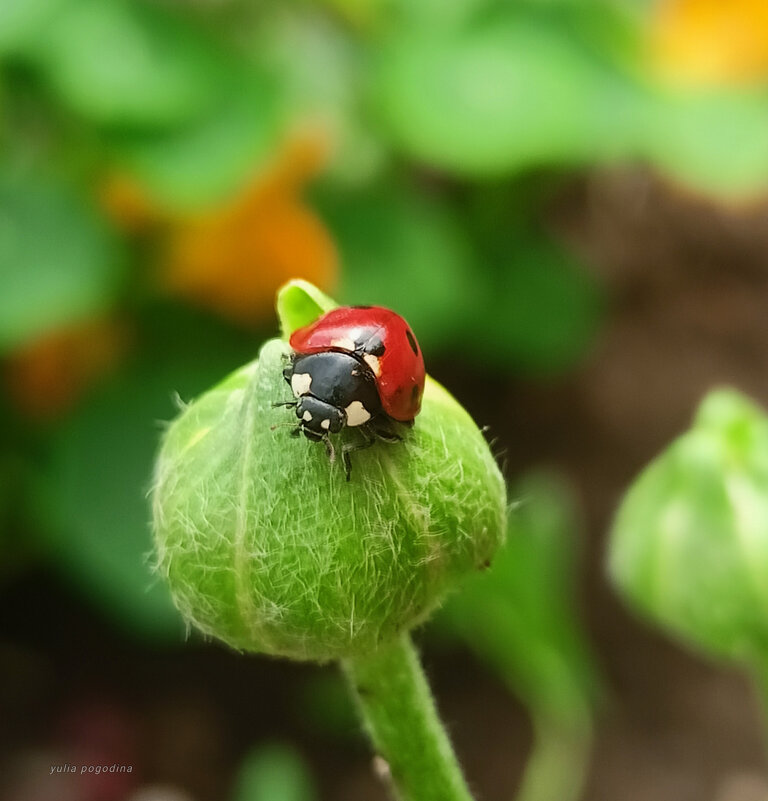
(557,765)
(400,716)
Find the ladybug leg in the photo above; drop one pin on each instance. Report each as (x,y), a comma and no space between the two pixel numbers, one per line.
(296,432)
(370,438)
(291,404)
(382,429)
(388,436)
(329,449)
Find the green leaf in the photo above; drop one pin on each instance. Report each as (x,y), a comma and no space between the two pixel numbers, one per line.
(509,91)
(519,616)
(325,706)
(127,62)
(713,141)
(689,547)
(433,13)
(59,263)
(322,87)
(273,772)
(537,305)
(458,13)
(22,20)
(406,251)
(92,499)
(215,155)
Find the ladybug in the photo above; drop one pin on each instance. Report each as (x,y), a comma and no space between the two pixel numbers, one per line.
(355,367)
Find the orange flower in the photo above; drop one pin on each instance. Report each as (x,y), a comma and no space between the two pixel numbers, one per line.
(711,42)
(47,376)
(232,259)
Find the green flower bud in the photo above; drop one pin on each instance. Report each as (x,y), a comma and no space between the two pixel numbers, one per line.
(689,548)
(267,546)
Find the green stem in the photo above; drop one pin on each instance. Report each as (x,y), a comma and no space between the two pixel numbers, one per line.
(401,719)
(557,765)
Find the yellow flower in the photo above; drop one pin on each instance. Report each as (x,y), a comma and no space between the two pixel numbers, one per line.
(711,42)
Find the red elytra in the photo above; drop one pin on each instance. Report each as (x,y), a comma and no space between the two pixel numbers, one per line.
(384,341)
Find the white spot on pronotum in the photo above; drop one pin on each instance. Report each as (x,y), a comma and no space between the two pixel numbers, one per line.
(373,362)
(357,414)
(300,383)
(326,424)
(343,344)
(306,416)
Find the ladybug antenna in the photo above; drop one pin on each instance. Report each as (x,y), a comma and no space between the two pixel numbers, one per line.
(289,424)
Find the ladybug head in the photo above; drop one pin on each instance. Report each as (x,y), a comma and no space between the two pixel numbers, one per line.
(318,418)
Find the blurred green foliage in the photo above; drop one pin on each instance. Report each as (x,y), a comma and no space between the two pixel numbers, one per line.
(273,772)
(125,64)
(500,87)
(402,247)
(206,160)
(325,706)
(91,496)
(59,262)
(520,616)
(505,91)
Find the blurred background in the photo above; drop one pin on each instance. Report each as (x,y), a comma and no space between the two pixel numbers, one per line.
(567,199)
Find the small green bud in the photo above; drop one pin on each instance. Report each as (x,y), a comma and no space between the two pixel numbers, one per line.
(267,546)
(689,547)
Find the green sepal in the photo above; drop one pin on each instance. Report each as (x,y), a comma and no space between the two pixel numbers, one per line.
(300,303)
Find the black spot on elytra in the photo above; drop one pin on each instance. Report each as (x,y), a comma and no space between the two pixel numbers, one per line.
(415,393)
(375,347)
(412,341)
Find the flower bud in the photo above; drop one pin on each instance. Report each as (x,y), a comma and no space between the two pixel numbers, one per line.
(266,545)
(689,547)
